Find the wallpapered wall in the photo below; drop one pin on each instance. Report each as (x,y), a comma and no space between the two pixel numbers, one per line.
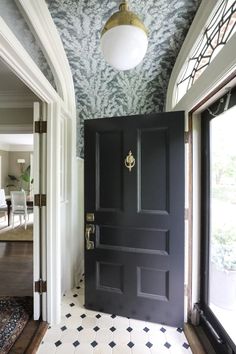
(15,21)
(102,91)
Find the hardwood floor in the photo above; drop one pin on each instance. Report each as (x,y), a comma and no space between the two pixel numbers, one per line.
(16,265)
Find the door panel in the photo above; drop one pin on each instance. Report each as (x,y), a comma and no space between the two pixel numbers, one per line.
(136,268)
(153,158)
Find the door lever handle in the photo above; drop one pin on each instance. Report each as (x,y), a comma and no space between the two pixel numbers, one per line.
(89,229)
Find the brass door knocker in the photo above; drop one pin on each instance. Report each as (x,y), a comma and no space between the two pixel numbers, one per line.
(129,161)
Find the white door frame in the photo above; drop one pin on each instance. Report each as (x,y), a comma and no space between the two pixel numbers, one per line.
(221,68)
(20,62)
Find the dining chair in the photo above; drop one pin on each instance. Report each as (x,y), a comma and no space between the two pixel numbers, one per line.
(19,206)
(3,205)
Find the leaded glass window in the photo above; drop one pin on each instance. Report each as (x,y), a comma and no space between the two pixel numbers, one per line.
(219,28)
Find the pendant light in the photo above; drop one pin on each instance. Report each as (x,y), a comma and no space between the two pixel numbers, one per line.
(124,39)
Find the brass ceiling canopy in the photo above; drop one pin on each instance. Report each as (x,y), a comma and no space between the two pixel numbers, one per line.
(124,17)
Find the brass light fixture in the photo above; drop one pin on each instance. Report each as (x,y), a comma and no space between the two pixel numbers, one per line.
(124,39)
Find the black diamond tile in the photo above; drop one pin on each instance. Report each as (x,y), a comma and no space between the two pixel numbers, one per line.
(130,344)
(112,344)
(76,343)
(68,315)
(94,344)
(129,329)
(113,316)
(96,328)
(163,330)
(58,343)
(146,329)
(72,304)
(149,344)
(63,328)
(83,316)
(112,329)
(167,345)
(75,295)
(81,280)
(80,328)
(98,316)
(180,330)
(186,345)
(77,287)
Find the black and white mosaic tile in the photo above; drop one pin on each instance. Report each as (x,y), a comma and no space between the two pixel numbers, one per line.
(89,332)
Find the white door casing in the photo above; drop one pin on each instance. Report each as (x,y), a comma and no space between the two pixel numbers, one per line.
(19,61)
(36,229)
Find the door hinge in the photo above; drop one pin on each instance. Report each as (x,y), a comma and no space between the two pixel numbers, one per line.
(40,286)
(186,137)
(40,126)
(40,200)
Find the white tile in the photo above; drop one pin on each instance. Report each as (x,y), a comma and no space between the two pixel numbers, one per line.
(89,322)
(121,349)
(65,349)
(69,336)
(139,337)
(86,336)
(106,321)
(84,349)
(140,350)
(46,348)
(121,322)
(104,335)
(103,349)
(52,335)
(136,324)
(121,336)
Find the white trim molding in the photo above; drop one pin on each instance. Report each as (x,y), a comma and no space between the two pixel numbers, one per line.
(38,17)
(19,61)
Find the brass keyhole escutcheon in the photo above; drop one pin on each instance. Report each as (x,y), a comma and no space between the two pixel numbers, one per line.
(129,161)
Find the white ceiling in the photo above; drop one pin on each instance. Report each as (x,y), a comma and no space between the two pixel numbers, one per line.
(16,139)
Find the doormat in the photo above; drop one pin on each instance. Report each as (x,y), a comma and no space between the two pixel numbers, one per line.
(17,234)
(14,315)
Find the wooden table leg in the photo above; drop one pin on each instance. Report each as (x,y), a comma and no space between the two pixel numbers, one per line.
(8,213)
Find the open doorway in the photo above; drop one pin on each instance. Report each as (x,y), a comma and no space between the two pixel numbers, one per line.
(18,226)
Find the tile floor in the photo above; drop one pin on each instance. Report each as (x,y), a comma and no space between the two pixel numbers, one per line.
(84,331)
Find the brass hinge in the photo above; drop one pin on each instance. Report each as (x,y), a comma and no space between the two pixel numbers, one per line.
(40,127)
(40,200)
(185,214)
(40,286)
(186,137)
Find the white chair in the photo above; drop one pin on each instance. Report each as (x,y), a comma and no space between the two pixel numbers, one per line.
(19,206)
(3,205)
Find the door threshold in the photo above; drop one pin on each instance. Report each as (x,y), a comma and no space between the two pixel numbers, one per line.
(30,338)
(197,340)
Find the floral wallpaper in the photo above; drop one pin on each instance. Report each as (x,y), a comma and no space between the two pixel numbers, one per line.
(102,91)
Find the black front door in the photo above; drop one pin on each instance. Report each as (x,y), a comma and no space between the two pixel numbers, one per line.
(134,217)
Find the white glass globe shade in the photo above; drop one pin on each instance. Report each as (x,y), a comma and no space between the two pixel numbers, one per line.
(124,46)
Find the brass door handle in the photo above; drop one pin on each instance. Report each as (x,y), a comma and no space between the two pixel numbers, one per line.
(89,229)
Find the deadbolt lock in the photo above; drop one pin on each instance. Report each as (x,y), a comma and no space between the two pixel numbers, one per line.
(90,217)
(89,229)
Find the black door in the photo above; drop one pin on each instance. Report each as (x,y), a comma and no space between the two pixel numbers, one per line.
(134,186)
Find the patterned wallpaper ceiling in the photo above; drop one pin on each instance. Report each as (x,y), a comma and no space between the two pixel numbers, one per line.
(102,91)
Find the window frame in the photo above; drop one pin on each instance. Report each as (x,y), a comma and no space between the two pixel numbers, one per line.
(208,320)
